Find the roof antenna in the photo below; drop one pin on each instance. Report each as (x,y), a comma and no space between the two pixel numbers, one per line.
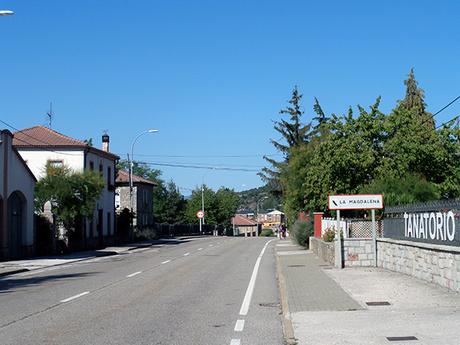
(50,115)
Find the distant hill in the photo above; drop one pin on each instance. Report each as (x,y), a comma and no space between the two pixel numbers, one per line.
(248,199)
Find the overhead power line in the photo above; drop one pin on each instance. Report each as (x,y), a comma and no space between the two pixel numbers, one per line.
(200,167)
(205,156)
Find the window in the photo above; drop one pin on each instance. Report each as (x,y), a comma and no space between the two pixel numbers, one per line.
(56,163)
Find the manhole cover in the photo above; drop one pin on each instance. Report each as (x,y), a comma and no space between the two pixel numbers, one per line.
(402,338)
(376,304)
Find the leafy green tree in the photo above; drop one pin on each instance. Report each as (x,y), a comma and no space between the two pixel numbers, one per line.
(227,203)
(73,195)
(194,205)
(170,205)
(408,189)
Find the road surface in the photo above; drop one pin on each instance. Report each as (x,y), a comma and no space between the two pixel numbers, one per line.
(213,290)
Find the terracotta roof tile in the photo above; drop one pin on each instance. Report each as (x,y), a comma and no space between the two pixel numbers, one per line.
(242,220)
(40,136)
(123,177)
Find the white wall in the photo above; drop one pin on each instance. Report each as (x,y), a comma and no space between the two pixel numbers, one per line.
(36,159)
(107,199)
(19,179)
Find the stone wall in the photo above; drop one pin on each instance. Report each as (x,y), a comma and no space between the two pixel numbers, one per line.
(358,252)
(324,250)
(430,262)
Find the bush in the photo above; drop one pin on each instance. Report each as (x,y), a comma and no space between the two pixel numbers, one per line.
(329,235)
(267,233)
(301,232)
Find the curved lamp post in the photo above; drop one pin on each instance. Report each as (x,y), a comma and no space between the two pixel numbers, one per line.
(131,164)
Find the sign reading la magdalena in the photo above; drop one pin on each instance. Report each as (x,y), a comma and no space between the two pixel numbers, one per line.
(436,223)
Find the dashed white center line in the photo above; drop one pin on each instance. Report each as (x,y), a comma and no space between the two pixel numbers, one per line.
(200,249)
(186,254)
(239,325)
(74,297)
(165,262)
(235,342)
(133,274)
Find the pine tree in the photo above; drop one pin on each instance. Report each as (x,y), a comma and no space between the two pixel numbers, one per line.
(293,133)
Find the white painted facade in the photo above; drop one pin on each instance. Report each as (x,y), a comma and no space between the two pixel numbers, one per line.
(78,159)
(15,177)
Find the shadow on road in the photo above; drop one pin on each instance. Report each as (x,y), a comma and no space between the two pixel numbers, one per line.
(13,284)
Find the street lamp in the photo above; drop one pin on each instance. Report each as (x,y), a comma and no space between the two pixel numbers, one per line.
(4,13)
(131,163)
(257,216)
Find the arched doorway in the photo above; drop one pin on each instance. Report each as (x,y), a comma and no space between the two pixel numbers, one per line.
(16,223)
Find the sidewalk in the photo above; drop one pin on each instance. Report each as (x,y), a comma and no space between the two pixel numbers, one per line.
(18,266)
(326,306)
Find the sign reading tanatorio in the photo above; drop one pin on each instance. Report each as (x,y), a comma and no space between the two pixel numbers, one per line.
(356,202)
(434,222)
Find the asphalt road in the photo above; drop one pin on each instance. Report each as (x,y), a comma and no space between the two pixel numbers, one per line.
(193,291)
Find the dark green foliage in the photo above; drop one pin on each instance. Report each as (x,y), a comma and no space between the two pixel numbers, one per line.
(267,233)
(73,195)
(401,154)
(301,232)
(329,235)
(219,206)
(293,133)
(405,190)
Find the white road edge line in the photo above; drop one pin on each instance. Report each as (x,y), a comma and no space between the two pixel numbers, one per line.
(248,296)
(186,254)
(133,274)
(235,342)
(165,262)
(74,297)
(239,326)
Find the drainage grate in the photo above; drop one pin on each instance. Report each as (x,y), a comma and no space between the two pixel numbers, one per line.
(402,338)
(296,265)
(376,304)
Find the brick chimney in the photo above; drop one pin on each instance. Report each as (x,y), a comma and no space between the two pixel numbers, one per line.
(105,142)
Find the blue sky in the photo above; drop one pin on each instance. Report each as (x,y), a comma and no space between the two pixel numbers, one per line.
(212,75)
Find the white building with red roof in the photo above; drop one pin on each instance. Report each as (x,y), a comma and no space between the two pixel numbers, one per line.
(39,145)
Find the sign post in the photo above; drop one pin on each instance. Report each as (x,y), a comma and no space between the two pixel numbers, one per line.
(355,202)
(200,215)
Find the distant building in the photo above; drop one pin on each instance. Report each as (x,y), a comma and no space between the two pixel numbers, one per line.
(243,226)
(142,198)
(16,202)
(40,145)
(271,219)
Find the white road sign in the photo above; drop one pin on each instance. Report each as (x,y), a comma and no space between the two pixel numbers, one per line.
(200,214)
(356,202)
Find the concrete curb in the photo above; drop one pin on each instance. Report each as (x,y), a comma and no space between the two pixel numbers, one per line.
(288,329)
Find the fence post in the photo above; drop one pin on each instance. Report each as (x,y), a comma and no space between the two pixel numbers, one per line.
(374,237)
(317,224)
(338,244)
